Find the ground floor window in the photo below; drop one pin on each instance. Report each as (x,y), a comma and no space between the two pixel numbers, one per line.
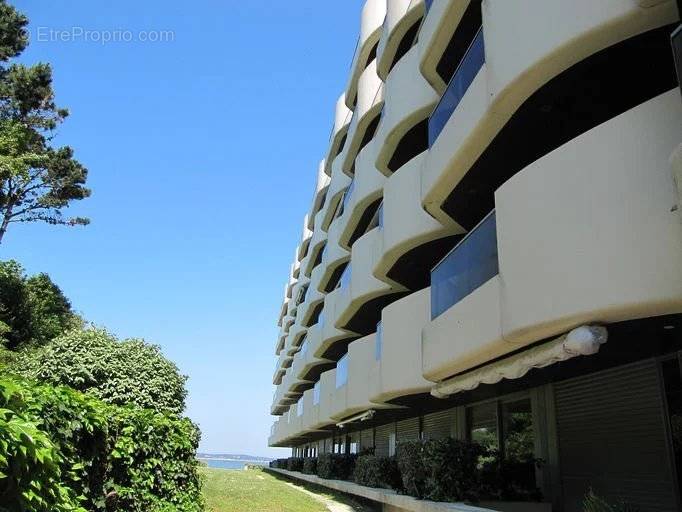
(672,382)
(505,428)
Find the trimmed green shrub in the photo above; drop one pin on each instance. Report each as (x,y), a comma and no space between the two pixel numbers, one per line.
(310,466)
(450,469)
(372,471)
(279,463)
(410,459)
(295,464)
(335,466)
(117,372)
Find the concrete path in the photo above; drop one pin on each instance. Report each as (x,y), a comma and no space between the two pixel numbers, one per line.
(331,504)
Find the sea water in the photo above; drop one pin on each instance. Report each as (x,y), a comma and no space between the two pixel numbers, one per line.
(230,464)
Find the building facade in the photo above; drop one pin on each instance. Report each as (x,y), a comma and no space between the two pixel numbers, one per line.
(495,244)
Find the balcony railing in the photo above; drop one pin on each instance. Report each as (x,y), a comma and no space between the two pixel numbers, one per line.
(344,280)
(316,393)
(428,4)
(304,346)
(676,40)
(466,71)
(299,408)
(348,194)
(342,372)
(469,265)
(378,342)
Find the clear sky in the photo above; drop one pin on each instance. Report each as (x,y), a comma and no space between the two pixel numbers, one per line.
(202,153)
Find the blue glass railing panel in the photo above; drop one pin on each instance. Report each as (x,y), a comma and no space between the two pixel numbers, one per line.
(428,4)
(348,194)
(469,265)
(342,372)
(378,342)
(467,70)
(344,281)
(316,393)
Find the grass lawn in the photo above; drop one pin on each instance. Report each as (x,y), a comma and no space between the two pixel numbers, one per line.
(255,491)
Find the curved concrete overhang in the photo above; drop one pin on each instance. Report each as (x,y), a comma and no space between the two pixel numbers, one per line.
(317,243)
(370,103)
(406,224)
(367,189)
(371,25)
(334,255)
(321,187)
(330,333)
(517,66)
(437,29)
(401,15)
(409,100)
(337,187)
(305,239)
(342,118)
(313,298)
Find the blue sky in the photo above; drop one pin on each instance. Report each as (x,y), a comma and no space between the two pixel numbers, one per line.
(197,149)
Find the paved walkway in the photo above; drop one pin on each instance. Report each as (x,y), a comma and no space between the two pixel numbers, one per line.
(331,504)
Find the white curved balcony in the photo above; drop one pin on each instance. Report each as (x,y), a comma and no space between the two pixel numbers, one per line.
(398,349)
(314,297)
(279,346)
(353,373)
(297,292)
(401,15)
(366,189)
(321,187)
(317,244)
(370,102)
(327,391)
(342,118)
(603,253)
(312,421)
(330,333)
(339,183)
(283,310)
(406,225)
(409,100)
(287,323)
(361,286)
(334,255)
(371,25)
(296,334)
(294,423)
(306,235)
(518,62)
(305,359)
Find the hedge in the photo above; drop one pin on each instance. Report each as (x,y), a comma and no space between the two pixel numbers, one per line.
(64,451)
(295,464)
(335,466)
(373,471)
(310,466)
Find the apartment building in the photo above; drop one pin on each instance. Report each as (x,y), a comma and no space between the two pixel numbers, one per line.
(496,232)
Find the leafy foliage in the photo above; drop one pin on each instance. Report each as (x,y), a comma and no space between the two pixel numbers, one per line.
(310,466)
(594,503)
(94,361)
(335,466)
(33,309)
(373,471)
(37,181)
(295,464)
(65,451)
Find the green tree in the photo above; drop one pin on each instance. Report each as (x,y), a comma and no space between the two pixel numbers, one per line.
(37,181)
(129,372)
(33,309)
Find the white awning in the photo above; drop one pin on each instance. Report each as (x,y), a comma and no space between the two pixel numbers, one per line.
(583,341)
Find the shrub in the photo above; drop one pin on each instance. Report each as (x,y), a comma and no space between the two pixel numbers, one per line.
(411,465)
(279,463)
(372,471)
(450,468)
(335,466)
(594,503)
(310,465)
(509,479)
(120,373)
(295,464)
(59,444)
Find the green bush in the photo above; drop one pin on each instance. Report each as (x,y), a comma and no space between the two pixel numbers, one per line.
(335,466)
(310,465)
(65,451)
(410,459)
(279,463)
(509,479)
(117,372)
(450,468)
(372,471)
(295,464)
(594,503)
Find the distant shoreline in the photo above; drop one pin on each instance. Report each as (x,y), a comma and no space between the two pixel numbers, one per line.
(264,461)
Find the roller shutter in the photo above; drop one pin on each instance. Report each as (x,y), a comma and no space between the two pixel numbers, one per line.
(382,434)
(408,430)
(367,439)
(611,438)
(439,425)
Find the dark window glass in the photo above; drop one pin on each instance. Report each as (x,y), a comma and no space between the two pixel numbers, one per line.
(672,383)
(464,75)
(482,425)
